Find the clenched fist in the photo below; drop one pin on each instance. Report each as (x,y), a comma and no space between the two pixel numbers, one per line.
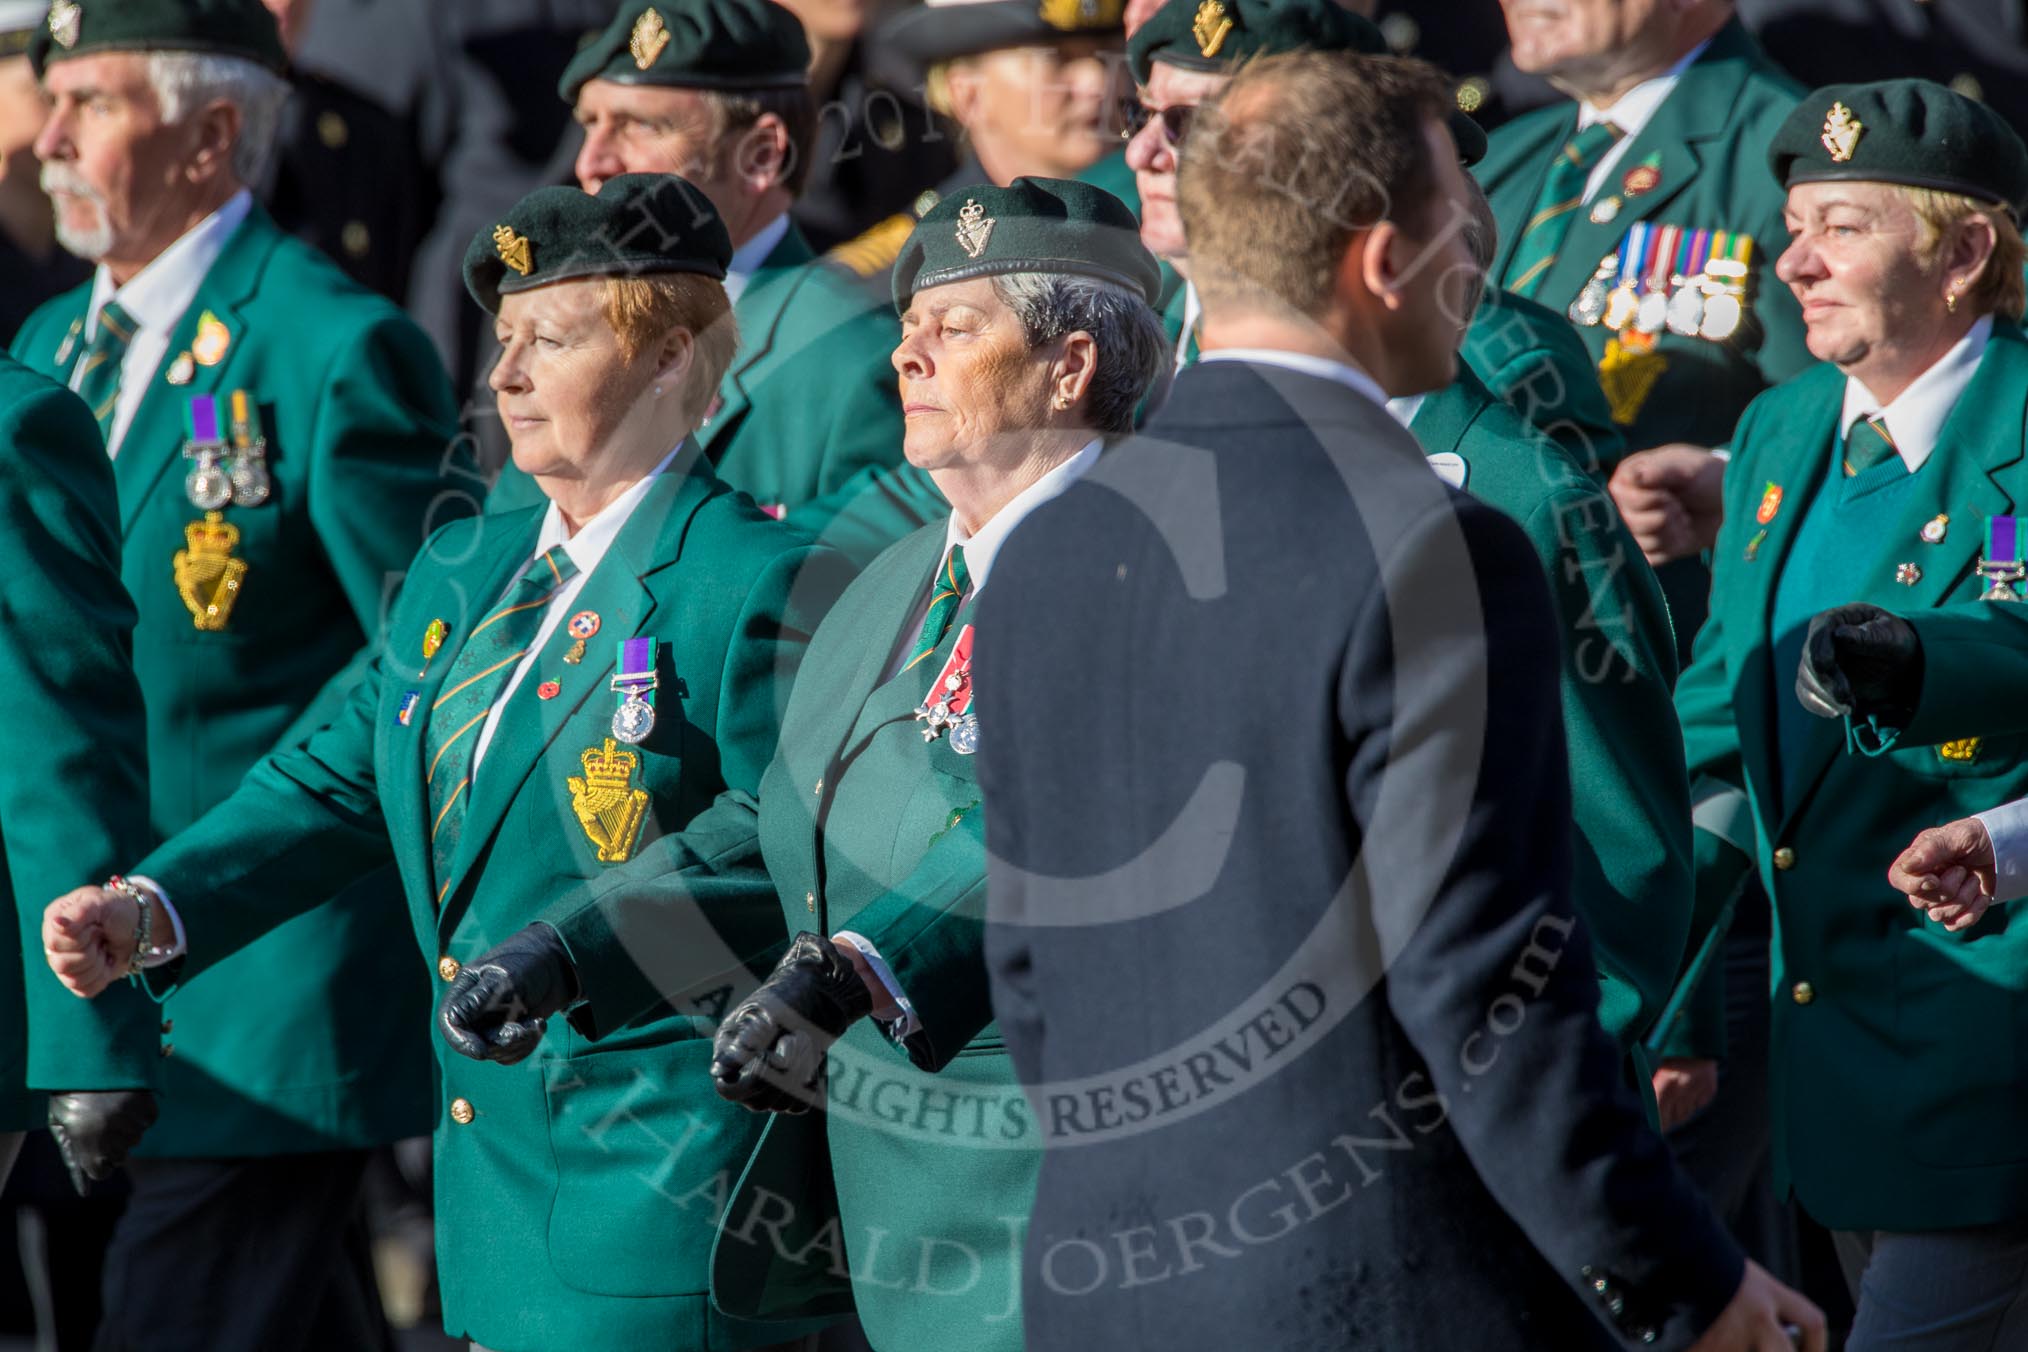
(89,937)
(1672,499)
(1947,872)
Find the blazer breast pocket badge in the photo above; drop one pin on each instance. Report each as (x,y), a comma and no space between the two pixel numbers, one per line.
(608,805)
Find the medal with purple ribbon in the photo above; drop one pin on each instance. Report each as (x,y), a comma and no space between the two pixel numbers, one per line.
(207,485)
(635,683)
(2002,566)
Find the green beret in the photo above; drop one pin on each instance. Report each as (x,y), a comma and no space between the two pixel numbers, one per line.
(1217,35)
(695,44)
(242,28)
(1911,132)
(1050,225)
(638,223)
(928,33)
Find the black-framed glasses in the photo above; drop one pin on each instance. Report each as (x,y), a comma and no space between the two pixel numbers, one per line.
(1175,119)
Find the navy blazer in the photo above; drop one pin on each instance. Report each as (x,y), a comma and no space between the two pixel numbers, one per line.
(1279,818)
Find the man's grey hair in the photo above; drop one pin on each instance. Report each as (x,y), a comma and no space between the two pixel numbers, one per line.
(1132,347)
(186,81)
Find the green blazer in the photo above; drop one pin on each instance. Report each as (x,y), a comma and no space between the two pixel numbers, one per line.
(1630,874)
(360,424)
(1896,1098)
(1709,142)
(574,1189)
(74,795)
(865,826)
(808,419)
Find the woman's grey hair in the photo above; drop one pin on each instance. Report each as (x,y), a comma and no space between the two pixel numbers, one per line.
(185,81)
(1132,347)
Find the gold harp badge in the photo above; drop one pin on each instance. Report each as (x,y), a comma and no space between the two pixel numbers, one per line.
(208,577)
(607,804)
(515,250)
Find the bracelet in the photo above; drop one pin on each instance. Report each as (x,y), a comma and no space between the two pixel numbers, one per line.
(144,927)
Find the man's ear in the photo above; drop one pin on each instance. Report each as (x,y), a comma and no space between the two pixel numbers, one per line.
(766,157)
(1377,257)
(216,128)
(673,359)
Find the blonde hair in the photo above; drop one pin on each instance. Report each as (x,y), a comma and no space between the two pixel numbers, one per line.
(643,310)
(2000,288)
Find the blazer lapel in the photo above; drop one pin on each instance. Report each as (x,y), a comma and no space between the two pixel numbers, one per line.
(1801,477)
(618,593)
(155,438)
(759,310)
(1694,114)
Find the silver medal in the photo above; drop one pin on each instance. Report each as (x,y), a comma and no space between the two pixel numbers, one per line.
(250,482)
(207,485)
(634,719)
(1686,309)
(965,735)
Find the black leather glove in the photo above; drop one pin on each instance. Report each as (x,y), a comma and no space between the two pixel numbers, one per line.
(498,1007)
(94,1129)
(769,1052)
(1862,661)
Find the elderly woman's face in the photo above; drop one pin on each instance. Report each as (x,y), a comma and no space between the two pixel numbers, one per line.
(566,389)
(968,377)
(1048,109)
(1853,264)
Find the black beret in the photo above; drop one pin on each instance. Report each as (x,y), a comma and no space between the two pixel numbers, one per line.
(1911,132)
(1049,225)
(928,33)
(242,28)
(695,44)
(1217,35)
(638,223)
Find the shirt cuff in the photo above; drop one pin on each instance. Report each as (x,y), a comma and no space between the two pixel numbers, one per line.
(905,1027)
(157,955)
(2007,827)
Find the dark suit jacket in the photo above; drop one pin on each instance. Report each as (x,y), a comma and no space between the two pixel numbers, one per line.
(1278,814)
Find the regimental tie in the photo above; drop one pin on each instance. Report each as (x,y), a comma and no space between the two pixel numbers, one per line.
(98,371)
(1562,194)
(951,585)
(1868,444)
(484,666)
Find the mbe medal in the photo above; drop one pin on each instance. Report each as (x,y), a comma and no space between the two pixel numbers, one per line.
(947,706)
(2002,567)
(635,684)
(207,485)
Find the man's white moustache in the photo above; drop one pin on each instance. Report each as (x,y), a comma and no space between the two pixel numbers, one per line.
(60,178)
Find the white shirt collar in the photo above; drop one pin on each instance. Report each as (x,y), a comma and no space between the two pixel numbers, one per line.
(983,544)
(1406,407)
(1193,310)
(1916,417)
(588,547)
(748,257)
(1633,110)
(1349,376)
(158,294)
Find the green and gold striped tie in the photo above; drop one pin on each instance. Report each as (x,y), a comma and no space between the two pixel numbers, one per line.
(484,665)
(1562,194)
(953,581)
(98,371)
(1868,444)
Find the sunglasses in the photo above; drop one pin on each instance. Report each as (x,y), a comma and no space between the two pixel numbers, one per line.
(1175,119)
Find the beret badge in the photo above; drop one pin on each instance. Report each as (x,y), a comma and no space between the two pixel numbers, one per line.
(65,17)
(515,250)
(649,37)
(1842,132)
(975,227)
(1211,27)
